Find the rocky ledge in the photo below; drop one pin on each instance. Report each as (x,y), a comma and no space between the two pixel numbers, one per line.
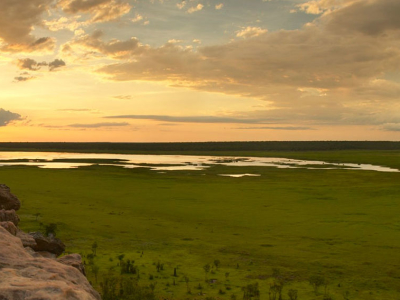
(29,268)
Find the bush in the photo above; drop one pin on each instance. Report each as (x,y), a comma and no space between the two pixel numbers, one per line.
(50,229)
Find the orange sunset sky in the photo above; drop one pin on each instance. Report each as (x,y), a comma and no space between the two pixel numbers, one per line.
(199,70)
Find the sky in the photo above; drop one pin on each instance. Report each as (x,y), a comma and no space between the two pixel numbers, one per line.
(199,70)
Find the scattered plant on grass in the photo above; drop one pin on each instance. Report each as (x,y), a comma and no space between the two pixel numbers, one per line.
(128,267)
(346,295)
(316,282)
(280,280)
(123,288)
(175,275)
(159,267)
(94,248)
(206,268)
(251,291)
(95,269)
(186,278)
(292,294)
(90,258)
(153,286)
(50,229)
(120,257)
(227,276)
(37,215)
(273,291)
(216,263)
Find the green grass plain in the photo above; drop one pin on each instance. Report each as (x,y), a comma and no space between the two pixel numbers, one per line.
(343,224)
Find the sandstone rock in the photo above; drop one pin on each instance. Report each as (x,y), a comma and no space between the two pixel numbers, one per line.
(46,254)
(73,260)
(26,239)
(10,227)
(26,277)
(9,215)
(49,244)
(31,252)
(8,200)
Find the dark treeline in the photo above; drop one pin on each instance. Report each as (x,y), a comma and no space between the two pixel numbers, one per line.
(204,146)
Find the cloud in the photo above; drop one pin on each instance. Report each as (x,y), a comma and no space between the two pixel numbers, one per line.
(33,65)
(6,117)
(71,23)
(137,18)
(99,125)
(181,4)
(192,119)
(278,128)
(372,17)
(391,127)
(100,10)
(29,64)
(331,71)
(193,9)
(113,48)
(316,7)
(22,78)
(75,109)
(123,97)
(249,32)
(17,19)
(56,64)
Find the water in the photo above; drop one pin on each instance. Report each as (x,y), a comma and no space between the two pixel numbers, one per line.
(169,162)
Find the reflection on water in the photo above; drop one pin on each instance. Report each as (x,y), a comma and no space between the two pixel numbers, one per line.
(169,162)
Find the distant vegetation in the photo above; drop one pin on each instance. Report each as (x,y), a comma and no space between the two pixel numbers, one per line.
(205,146)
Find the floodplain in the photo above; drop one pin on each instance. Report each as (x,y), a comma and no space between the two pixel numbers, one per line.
(340,224)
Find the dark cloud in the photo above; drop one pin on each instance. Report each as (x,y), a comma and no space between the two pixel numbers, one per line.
(279,128)
(391,127)
(57,63)
(193,119)
(33,65)
(7,116)
(99,125)
(372,17)
(29,64)
(24,77)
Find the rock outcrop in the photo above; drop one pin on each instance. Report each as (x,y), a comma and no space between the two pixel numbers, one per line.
(49,244)
(26,239)
(24,276)
(9,215)
(73,260)
(7,200)
(10,227)
(28,265)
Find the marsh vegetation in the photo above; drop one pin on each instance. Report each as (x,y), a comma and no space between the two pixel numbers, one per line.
(287,234)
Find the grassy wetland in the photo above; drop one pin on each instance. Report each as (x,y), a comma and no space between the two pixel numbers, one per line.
(193,234)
